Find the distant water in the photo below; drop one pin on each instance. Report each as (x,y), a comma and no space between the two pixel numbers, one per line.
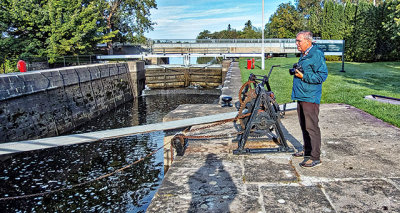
(129,191)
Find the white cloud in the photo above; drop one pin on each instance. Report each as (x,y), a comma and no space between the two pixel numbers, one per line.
(190,28)
(185,12)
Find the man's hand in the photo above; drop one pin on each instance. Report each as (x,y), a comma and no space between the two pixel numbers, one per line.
(298,74)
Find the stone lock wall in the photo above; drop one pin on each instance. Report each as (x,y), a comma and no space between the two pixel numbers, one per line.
(51,102)
(226,63)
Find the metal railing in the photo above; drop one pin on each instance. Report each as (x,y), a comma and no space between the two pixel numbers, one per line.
(192,41)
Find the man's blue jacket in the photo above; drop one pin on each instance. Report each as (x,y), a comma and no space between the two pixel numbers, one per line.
(309,89)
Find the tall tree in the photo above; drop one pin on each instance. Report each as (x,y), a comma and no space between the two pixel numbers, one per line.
(333,23)
(226,34)
(205,34)
(75,27)
(51,28)
(129,18)
(250,32)
(248,25)
(363,42)
(267,31)
(349,18)
(388,41)
(22,31)
(286,22)
(392,23)
(311,10)
(314,21)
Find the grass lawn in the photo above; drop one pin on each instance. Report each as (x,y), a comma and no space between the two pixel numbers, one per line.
(350,87)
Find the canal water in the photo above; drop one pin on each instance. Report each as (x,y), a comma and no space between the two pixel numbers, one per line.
(57,168)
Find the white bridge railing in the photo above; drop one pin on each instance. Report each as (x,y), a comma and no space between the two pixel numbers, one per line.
(331,47)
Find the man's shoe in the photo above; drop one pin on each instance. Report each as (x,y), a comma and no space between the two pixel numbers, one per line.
(311,163)
(304,161)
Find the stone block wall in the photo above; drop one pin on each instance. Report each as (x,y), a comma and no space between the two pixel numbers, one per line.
(51,102)
(226,63)
(137,77)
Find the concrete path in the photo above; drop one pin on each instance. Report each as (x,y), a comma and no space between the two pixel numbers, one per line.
(233,82)
(359,172)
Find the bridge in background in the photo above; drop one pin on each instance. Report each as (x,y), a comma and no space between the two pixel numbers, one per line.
(232,46)
(226,48)
(188,46)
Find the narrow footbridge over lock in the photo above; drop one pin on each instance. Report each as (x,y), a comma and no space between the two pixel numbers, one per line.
(188,46)
(226,48)
(229,46)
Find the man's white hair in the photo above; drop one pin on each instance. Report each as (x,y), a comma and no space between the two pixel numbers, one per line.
(306,34)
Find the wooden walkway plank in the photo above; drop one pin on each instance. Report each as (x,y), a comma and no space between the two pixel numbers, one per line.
(44,143)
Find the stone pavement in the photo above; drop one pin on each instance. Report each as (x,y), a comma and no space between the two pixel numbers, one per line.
(232,83)
(359,172)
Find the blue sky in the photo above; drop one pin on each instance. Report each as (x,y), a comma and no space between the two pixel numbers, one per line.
(180,19)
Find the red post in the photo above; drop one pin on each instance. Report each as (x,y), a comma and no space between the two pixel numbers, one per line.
(21,65)
(252,64)
(248,64)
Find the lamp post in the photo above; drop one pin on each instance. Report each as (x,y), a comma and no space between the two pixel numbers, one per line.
(262,39)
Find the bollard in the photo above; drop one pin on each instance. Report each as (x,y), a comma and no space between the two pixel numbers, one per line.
(21,65)
(226,101)
(252,63)
(248,64)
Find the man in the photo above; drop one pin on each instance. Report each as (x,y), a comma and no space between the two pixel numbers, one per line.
(307,88)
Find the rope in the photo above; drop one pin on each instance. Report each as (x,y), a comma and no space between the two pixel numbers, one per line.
(86,182)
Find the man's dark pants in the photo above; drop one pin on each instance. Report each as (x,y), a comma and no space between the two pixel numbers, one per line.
(308,118)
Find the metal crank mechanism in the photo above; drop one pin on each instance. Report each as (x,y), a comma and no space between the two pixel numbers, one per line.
(264,118)
(180,143)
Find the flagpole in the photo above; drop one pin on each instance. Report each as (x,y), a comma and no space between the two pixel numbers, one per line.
(262,39)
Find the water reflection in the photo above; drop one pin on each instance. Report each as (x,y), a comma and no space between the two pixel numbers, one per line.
(129,191)
(144,110)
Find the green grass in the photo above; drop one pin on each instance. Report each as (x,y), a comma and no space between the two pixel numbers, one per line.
(350,87)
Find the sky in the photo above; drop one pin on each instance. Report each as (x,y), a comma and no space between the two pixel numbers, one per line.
(180,19)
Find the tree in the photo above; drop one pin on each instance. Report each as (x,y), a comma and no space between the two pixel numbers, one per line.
(364,39)
(349,18)
(22,31)
(267,31)
(52,28)
(392,23)
(248,25)
(314,21)
(388,41)
(205,34)
(226,34)
(333,24)
(311,11)
(75,27)
(305,6)
(250,32)
(286,22)
(129,19)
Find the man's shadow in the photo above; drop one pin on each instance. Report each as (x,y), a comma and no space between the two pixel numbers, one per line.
(212,187)
(289,137)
